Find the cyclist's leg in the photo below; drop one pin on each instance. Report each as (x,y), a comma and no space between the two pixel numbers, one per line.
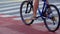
(35,7)
(47,1)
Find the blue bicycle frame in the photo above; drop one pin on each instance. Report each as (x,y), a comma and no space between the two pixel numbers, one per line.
(44,7)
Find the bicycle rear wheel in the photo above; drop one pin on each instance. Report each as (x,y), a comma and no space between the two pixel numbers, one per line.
(26,13)
(52,19)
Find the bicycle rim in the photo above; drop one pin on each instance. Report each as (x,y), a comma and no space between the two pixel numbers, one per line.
(52,20)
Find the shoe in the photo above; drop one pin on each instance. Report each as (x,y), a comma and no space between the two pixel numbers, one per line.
(34,18)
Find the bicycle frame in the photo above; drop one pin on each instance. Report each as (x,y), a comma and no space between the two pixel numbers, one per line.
(43,8)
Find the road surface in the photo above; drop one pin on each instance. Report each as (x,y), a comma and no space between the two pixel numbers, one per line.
(10,21)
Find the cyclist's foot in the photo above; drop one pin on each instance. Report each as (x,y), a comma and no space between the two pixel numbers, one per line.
(28,20)
(34,18)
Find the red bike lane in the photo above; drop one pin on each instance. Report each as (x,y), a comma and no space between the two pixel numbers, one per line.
(10,26)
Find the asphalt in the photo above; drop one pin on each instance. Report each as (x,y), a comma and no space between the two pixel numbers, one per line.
(10,22)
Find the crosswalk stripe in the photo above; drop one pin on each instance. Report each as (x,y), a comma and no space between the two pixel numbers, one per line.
(7,8)
(9,1)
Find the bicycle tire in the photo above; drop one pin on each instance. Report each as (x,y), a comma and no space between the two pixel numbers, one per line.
(21,12)
(58,16)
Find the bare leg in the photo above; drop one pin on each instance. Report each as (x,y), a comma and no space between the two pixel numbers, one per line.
(47,1)
(35,7)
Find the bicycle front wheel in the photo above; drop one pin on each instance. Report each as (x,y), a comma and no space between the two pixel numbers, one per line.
(26,13)
(52,19)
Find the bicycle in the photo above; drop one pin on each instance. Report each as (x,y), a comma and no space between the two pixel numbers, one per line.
(52,16)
